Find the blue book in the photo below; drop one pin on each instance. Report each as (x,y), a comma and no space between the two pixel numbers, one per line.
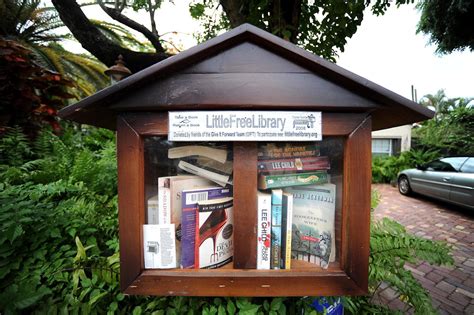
(277,202)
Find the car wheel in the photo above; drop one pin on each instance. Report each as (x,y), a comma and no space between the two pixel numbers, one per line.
(404,185)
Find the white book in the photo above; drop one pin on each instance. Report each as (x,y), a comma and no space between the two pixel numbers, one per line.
(152,210)
(215,177)
(164,201)
(264,229)
(159,246)
(219,155)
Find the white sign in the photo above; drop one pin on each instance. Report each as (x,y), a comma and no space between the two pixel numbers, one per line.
(244,126)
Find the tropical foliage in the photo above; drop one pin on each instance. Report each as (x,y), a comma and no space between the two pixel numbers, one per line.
(30,94)
(452,130)
(38,29)
(453,134)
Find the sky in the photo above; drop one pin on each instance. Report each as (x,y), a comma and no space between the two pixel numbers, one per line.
(385,50)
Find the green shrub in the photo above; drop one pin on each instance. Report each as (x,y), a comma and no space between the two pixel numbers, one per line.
(386,169)
(450,134)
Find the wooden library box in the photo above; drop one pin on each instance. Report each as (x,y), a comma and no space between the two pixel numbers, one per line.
(244,169)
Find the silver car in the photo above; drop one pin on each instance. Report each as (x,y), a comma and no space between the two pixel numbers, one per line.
(450,179)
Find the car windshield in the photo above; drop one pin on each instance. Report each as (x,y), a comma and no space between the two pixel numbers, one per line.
(450,164)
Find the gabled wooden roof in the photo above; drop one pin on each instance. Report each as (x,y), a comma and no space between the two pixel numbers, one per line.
(246,68)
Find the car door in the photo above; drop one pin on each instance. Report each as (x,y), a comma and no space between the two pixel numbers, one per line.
(435,179)
(462,184)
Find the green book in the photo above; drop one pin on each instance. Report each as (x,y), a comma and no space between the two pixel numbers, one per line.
(267,181)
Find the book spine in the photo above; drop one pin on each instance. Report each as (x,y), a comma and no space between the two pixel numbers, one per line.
(296,164)
(294,179)
(276,229)
(188,230)
(152,210)
(164,201)
(287,215)
(159,246)
(264,231)
(288,152)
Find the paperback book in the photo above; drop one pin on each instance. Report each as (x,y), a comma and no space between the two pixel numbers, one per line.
(294,164)
(286,229)
(264,204)
(313,238)
(159,246)
(190,200)
(214,233)
(268,181)
(289,150)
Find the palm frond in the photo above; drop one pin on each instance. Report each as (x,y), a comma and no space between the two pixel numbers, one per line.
(121,36)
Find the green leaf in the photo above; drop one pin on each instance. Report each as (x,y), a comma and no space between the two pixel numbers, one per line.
(137,310)
(276,304)
(230,307)
(31,298)
(13,232)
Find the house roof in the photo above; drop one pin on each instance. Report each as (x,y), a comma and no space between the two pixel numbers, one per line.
(246,68)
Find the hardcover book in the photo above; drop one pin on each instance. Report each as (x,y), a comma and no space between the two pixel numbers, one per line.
(159,246)
(313,238)
(264,204)
(190,208)
(286,229)
(295,164)
(214,233)
(289,150)
(171,188)
(268,181)
(277,199)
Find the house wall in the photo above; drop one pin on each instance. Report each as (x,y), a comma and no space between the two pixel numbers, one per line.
(403,133)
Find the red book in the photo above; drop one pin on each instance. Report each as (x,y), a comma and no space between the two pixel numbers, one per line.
(313,163)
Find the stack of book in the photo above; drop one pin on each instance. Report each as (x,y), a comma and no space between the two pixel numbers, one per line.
(296,213)
(190,219)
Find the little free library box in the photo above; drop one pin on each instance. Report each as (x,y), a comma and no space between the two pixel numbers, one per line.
(244,169)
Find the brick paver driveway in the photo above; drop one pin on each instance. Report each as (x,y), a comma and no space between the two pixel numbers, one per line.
(451,288)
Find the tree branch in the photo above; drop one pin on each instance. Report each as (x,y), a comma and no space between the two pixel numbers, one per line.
(119,17)
(236,11)
(97,43)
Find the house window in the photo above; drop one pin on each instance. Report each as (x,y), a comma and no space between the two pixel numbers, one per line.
(382,147)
